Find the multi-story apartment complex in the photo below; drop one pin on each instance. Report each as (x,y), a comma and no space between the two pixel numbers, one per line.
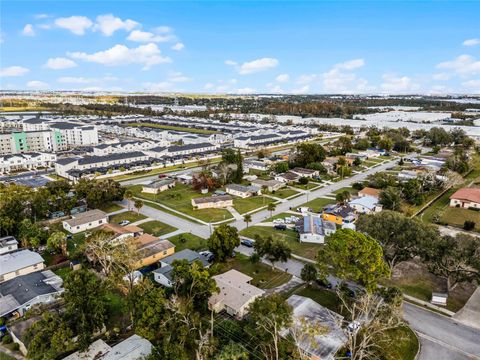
(26,161)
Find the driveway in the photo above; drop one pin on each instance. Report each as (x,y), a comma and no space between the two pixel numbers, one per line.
(441,337)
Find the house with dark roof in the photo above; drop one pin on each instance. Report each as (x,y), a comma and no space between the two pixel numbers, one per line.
(313,229)
(339,214)
(22,292)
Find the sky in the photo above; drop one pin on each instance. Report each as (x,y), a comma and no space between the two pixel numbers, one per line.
(301,47)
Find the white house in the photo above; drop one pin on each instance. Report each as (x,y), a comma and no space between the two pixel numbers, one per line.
(271,185)
(215,202)
(259,165)
(26,161)
(85,221)
(305,172)
(242,191)
(8,244)
(313,229)
(158,186)
(18,263)
(235,293)
(466,198)
(365,205)
(287,177)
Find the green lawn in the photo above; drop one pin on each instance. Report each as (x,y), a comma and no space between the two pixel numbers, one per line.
(351,190)
(180,199)
(63,272)
(324,297)
(318,204)
(309,186)
(399,343)
(116,309)
(279,216)
(263,275)
(290,236)
(251,203)
(4,356)
(457,216)
(170,127)
(110,207)
(157,228)
(188,241)
(131,216)
(285,193)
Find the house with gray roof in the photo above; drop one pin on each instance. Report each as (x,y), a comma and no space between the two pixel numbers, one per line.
(242,190)
(22,292)
(8,244)
(85,221)
(19,263)
(314,229)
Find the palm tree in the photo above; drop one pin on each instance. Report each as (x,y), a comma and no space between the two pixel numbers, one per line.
(271,207)
(128,196)
(138,204)
(247,218)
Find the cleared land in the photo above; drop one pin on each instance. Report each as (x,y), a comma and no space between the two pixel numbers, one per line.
(251,203)
(188,241)
(127,215)
(318,204)
(170,127)
(284,193)
(157,228)
(110,207)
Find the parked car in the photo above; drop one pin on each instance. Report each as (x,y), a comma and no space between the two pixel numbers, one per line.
(247,243)
(280,227)
(124,223)
(324,283)
(207,255)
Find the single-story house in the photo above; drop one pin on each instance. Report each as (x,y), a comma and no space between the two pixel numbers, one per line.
(271,185)
(20,293)
(339,214)
(305,172)
(287,177)
(18,330)
(163,275)
(368,191)
(18,263)
(85,221)
(259,165)
(316,347)
(122,232)
(235,293)
(466,198)
(243,191)
(215,202)
(313,229)
(365,205)
(8,244)
(152,249)
(132,348)
(158,186)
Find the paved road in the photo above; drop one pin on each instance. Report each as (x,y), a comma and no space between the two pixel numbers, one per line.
(441,337)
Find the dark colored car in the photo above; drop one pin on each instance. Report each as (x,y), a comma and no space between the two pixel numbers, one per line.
(324,283)
(247,243)
(280,227)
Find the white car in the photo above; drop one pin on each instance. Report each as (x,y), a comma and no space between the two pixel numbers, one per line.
(124,223)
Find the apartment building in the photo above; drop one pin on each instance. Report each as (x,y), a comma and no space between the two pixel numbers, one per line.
(27,161)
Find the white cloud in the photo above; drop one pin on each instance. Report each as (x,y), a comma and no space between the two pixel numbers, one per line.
(75,80)
(76,24)
(13,71)
(257,65)
(230,63)
(178,77)
(208,86)
(350,64)
(28,30)
(36,84)
(398,84)
(472,83)
(471,42)
(41,16)
(274,88)
(59,63)
(178,46)
(145,36)
(462,65)
(302,90)
(158,87)
(146,55)
(441,76)
(341,78)
(306,78)
(282,78)
(107,24)
(245,90)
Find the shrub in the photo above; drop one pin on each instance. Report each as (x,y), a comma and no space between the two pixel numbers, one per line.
(15,347)
(7,339)
(469,225)
(254,258)
(303,180)
(358,186)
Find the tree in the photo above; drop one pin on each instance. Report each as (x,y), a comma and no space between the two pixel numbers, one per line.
(233,351)
(309,273)
(238,176)
(229,156)
(343,196)
(357,161)
(307,153)
(355,256)
(271,207)
(469,225)
(85,304)
(402,237)
(128,195)
(149,311)
(268,315)
(273,249)
(138,205)
(344,145)
(223,241)
(455,259)
(362,144)
(204,180)
(247,218)
(280,167)
(391,199)
(57,241)
(31,235)
(99,249)
(385,143)
(303,180)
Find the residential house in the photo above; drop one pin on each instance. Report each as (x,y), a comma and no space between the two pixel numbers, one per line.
(158,186)
(249,141)
(365,205)
(339,214)
(235,293)
(257,165)
(191,149)
(466,198)
(288,177)
(18,263)
(85,221)
(270,185)
(122,232)
(18,331)
(8,244)
(368,191)
(313,229)
(243,191)
(322,346)
(309,173)
(213,202)
(22,292)
(152,249)
(133,348)
(163,275)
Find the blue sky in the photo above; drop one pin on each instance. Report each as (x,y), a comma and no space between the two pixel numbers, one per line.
(242,47)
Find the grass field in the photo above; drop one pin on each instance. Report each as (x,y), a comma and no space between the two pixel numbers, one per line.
(326,298)
(263,275)
(457,216)
(170,127)
(279,216)
(179,198)
(251,203)
(110,207)
(188,241)
(317,204)
(157,228)
(351,190)
(308,186)
(285,193)
(306,250)
(131,216)
(399,343)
